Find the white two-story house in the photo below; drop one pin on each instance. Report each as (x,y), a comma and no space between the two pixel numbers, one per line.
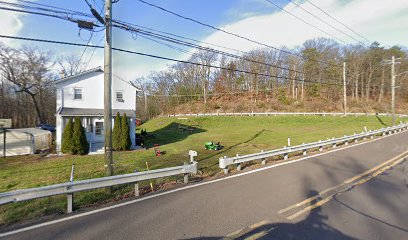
(82,95)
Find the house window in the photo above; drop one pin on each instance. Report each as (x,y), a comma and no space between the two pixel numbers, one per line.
(98,128)
(119,96)
(77,93)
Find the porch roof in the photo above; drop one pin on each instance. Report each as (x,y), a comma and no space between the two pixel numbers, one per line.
(92,112)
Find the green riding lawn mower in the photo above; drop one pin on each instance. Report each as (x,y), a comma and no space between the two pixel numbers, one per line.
(213,146)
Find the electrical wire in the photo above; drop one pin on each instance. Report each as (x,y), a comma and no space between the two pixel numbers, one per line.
(304,21)
(189,44)
(327,14)
(230,33)
(325,22)
(166,58)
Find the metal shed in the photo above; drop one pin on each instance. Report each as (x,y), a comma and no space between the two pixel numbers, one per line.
(24,141)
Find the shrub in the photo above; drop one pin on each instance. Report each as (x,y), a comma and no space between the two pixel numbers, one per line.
(117,133)
(126,142)
(282,97)
(66,144)
(80,145)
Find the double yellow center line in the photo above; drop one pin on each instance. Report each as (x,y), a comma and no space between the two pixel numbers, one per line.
(325,196)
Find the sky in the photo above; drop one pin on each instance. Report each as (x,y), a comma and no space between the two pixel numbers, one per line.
(375,20)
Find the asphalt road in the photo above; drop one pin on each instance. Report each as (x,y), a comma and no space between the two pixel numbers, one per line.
(377,209)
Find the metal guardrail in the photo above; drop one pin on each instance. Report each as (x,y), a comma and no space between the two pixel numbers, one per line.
(76,186)
(282,114)
(224,162)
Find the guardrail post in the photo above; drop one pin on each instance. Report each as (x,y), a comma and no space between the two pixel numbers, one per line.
(263,159)
(226,168)
(186,178)
(137,189)
(70,196)
(238,165)
(320,147)
(70,202)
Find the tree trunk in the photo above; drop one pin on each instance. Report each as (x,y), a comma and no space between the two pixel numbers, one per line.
(368,85)
(380,98)
(356,87)
(37,108)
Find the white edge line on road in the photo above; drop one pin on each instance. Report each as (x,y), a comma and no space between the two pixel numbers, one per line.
(187,187)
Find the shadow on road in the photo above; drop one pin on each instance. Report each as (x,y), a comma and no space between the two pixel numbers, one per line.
(314,226)
(368,216)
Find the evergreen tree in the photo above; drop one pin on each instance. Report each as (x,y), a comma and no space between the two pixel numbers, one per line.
(117,133)
(125,139)
(80,144)
(66,144)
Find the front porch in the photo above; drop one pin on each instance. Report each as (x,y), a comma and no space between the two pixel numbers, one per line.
(94,128)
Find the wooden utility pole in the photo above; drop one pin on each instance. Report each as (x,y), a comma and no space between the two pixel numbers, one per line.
(108,88)
(344,89)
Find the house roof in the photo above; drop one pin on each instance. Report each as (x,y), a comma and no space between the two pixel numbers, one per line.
(91,112)
(92,70)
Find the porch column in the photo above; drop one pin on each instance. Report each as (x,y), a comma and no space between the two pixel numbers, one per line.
(59,130)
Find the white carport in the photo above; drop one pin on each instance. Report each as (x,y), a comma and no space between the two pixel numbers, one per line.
(24,141)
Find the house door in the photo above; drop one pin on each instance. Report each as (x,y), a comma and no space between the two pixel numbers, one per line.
(99,131)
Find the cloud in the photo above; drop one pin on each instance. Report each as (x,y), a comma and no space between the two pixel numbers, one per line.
(10,24)
(373,19)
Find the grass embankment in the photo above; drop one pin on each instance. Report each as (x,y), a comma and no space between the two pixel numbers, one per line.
(175,136)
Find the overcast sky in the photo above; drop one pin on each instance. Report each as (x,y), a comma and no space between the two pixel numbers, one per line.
(376,20)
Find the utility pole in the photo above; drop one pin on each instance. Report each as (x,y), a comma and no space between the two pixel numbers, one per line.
(393,89)
(344,89)
(108,88)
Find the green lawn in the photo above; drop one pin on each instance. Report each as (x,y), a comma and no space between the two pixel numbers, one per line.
(240,135)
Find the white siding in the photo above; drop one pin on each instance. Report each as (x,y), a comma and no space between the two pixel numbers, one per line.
(92,93)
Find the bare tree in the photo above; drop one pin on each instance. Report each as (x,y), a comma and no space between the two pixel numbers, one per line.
(28,70)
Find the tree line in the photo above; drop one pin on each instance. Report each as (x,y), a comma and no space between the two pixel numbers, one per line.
(267,74)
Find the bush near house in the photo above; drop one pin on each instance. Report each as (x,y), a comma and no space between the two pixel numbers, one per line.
(117,133)
(66,145)
(80,145)
(121,133)
(126,142)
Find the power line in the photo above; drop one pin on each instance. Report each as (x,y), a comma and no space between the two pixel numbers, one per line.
(188,44)
(302,20)
(83,52)
(177,41)
(38,13)
(173,40)
(179,36)
(229,33)
(166,58)
(325,22)
(81,23)
(93,51)
(47,9)
(327,14)
(54,7)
